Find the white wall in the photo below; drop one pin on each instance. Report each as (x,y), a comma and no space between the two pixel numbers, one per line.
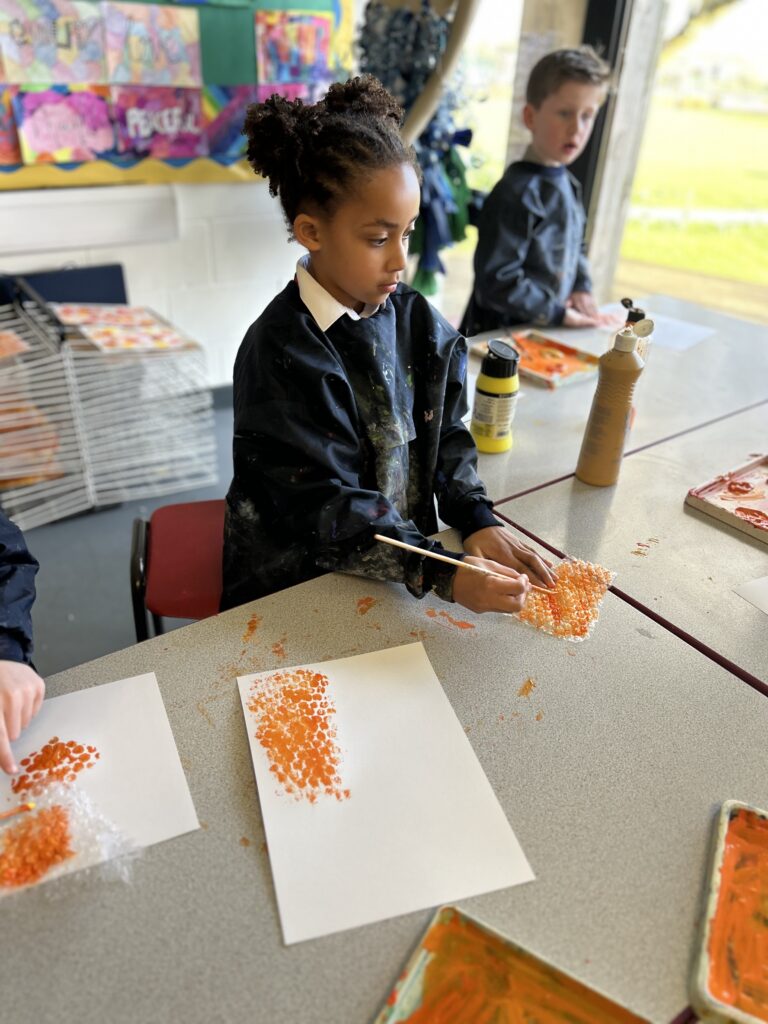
(220,251)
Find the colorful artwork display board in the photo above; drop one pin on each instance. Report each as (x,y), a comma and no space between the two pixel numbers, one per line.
(52,42)
(293,46)
(10,153)
(224,110)
(151,44)
(158,121)
(109,749)
(63,124)
(340,810)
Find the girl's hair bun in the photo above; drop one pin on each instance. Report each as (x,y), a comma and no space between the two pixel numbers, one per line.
(274,137)
(364,95)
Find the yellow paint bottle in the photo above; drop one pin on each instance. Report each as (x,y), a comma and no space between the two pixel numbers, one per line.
(495,398)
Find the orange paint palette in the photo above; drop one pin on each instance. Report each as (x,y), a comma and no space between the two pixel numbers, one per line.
(730,982)
(552,363)
(738,498)
(571,610)
(464,972)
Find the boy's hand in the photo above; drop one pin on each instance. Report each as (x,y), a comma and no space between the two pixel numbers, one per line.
(584,303)
(21,694)
(573,318)
(494,542)
(505,592)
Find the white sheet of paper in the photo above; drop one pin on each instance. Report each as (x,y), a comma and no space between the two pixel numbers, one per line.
(756,592)
(669,332)
(138,782)
(422,825)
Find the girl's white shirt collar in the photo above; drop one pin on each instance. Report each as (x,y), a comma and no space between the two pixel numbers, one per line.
(321,304)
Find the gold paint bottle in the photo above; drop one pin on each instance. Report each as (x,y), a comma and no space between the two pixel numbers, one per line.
(603,445)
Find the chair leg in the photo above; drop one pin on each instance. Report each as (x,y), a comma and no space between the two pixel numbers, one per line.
(157,622)
(139,540)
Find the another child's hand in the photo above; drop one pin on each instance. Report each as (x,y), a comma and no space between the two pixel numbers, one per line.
(584,303)
(505,592)
(496,543)
(573,318)
(21,694)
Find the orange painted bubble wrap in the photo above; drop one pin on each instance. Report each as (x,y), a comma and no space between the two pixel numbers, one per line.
(571,610)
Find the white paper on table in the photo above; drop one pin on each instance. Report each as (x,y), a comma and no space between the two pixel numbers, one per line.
(138,782)
(422,825)
(756,592)
(668,331)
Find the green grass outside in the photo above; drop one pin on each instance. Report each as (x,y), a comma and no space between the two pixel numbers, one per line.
(737,253)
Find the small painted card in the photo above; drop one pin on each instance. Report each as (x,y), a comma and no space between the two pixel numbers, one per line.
(52,42)
(738,498)
(102,767)
(151,44)
(10,152)
(159,122)
(63,124)
(364,772)
(293,46)
(551,362)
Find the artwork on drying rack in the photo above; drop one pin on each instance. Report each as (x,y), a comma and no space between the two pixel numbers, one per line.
(293,46)
(52,42)
(158,122)
(63,124)
(102,767)
(75,315)
(136,339)
(339,809)
(10,153)
(150,44)
(11,344)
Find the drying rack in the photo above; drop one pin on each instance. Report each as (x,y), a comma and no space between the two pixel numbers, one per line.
(81,428)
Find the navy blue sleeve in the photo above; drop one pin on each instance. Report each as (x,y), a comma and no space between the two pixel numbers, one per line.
(17,593)
(507,226)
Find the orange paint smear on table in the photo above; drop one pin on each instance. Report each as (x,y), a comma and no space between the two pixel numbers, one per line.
(365,604)
(527,688)
(250,629)
(738,939)
(294,726)
(572,607)
(278,647)
(34,846)
(57,761)
(458,623)
(474,977)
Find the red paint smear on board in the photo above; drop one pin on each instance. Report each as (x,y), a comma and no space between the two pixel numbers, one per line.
(755,516)
(474,977)
(295,728)
(458,623)
(56,762)
(365,604)
(34,846)
(250,630)
(738,939)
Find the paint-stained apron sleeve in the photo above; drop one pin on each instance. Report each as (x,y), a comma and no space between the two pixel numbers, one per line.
(17,593)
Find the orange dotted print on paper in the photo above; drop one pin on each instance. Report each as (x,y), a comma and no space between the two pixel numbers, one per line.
(572,608)
(365,604)
(294,726)
(57,761)
(30,849)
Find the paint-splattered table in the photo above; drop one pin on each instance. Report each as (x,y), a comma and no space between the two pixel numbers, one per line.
(677,561)
(722,374)
(609,758)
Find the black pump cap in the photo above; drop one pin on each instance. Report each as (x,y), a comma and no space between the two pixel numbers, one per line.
(501,360)
(634,313)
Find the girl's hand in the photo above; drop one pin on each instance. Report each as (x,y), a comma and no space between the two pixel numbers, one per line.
(21,694)
(496,543)
(503,593)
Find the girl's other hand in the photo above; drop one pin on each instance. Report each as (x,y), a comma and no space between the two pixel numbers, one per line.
(496,543)
(505,592)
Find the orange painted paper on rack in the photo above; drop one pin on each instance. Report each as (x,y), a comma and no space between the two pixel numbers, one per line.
(294,715)
(571,610)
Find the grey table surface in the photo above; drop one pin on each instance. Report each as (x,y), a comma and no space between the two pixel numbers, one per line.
(610,773)
(692,562)
(677,391)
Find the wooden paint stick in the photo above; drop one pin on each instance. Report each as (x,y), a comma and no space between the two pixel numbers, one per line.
(21,809)
(444,558)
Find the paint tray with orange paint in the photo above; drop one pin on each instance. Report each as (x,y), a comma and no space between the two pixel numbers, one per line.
(738,498)
(730,979)
(464,972)
(552,363)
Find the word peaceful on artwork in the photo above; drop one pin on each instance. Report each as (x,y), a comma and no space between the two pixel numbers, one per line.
(142,123)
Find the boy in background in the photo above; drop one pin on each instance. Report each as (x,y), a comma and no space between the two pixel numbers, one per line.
(530,265)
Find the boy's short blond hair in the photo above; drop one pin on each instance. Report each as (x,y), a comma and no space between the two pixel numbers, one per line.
(579,65)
